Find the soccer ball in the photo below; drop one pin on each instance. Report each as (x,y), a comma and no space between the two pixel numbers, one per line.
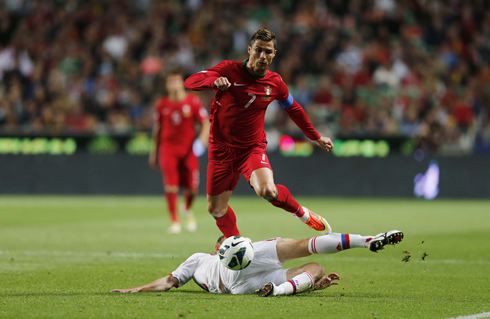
(236,252)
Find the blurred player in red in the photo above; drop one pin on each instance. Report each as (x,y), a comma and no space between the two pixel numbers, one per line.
(237,143)
(176,148)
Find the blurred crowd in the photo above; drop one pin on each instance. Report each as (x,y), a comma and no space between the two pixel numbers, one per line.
(365,68)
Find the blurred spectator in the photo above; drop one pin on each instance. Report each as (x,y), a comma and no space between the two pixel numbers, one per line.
(385,74)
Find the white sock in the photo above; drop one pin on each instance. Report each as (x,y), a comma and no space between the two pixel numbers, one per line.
(335,242)
(299,283)
(305,216)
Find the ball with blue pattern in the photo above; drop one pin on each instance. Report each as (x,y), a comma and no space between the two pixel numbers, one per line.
(236,252)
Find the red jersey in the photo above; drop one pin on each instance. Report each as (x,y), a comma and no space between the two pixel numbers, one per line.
(177,119)
(237,114)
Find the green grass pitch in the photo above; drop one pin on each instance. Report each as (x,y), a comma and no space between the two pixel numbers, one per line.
(60,257)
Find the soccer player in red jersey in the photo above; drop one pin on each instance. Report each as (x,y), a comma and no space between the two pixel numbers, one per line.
(175,147)
(237,143)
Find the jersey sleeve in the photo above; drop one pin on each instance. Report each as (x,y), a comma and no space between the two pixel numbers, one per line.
(296,112)
(187,269)
(283,92)
(299,117)
(157,113)
(204,80)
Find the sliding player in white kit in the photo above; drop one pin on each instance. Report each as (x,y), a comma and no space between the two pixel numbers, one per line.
(264,276)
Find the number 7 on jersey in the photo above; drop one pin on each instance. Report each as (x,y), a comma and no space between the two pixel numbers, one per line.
(251,100)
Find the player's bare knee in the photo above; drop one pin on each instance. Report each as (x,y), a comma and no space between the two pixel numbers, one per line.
(321,272)
(266,191)
(317,271)
(217,211)
(171,189)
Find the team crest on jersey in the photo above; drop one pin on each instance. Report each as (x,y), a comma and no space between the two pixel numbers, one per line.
(267,90)
(186,110)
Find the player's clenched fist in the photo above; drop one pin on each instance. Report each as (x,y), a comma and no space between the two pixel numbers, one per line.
(325,142)
(222,83)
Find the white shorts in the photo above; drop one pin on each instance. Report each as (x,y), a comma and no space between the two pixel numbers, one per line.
(263,269)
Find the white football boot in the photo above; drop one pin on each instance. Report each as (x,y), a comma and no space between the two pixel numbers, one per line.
(189,219)
(174,228)
(378,242)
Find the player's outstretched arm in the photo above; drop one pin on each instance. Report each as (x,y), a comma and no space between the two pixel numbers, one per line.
(201,82)
(162,284)
(299,117)
(325,142)
(211,79)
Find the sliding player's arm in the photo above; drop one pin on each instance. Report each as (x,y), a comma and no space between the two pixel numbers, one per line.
(211,79)
(155,137)
(299,117)
(162,284)
(177,278)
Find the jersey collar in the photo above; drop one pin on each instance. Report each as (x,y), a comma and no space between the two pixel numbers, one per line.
(244,65)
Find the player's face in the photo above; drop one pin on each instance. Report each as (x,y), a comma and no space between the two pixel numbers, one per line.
(261,54)
(175,83)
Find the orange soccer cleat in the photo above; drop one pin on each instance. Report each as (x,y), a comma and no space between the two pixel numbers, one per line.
(316,222)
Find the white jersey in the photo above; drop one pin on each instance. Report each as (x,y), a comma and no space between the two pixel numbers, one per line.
(203,268)
(206,270)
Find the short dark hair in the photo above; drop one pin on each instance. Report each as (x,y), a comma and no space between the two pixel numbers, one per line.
(220,240)
(176,70)
(264,35)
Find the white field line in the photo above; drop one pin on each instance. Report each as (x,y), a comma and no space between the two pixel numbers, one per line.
(476,316)
(87,254)
(168,256)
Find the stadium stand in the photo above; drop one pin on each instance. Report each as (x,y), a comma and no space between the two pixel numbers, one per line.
(360,68)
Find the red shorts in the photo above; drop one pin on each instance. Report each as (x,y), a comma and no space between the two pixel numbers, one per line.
(182,171)
(226,164)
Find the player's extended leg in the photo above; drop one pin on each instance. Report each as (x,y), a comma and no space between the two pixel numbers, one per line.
(303,278)
(223,214)
(262,180)
(288,248)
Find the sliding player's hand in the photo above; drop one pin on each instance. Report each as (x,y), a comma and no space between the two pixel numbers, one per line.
(326,281)
(325,142)
(222,83)
(132,290)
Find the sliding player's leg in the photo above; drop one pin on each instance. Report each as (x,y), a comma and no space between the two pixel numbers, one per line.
(288,248)
(311,275)
(169,169)
(262,180)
